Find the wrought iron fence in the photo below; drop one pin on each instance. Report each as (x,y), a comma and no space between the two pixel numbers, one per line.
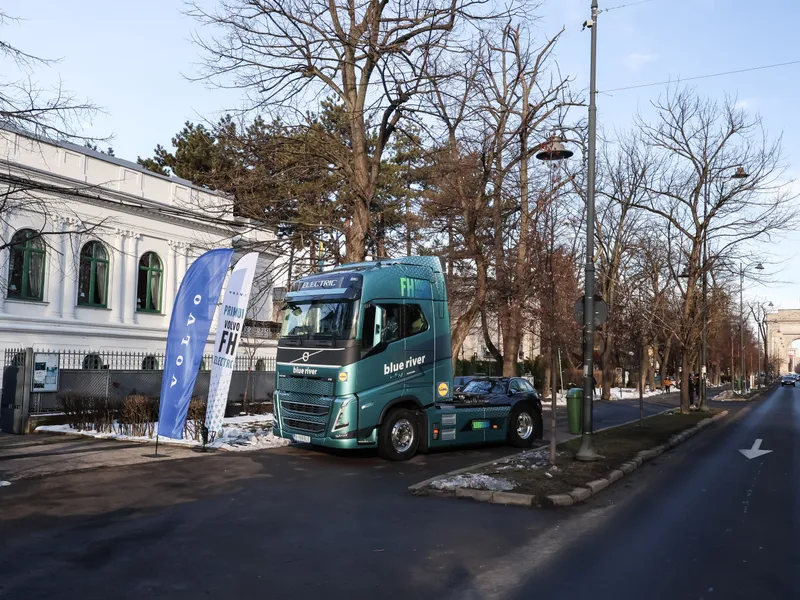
(112,376)
(133,361)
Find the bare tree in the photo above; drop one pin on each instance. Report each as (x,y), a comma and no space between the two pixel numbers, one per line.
(24,105)
(623,173)
(372,57)
(699,145)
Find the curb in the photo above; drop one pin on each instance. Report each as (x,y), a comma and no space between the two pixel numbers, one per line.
(415,489)
(577,495)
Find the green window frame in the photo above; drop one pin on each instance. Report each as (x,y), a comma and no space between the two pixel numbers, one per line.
(150,283)
(26,266)
(93,275)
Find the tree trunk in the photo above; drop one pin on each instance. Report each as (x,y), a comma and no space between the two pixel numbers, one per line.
(408,226)
(685,382)
(608,371)
(663,369)
(290,267)
(511,342)
(487,339)
(547,373)
(644,365)
(312,256)
(554,387)
(380,235)
(463,324)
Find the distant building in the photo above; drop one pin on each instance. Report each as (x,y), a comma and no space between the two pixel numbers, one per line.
(94,249)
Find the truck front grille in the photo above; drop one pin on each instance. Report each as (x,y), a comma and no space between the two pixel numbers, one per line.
(310,409)
(303,409)
(313,428)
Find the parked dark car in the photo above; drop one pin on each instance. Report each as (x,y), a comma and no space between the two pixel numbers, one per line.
(461,381)
(526,415)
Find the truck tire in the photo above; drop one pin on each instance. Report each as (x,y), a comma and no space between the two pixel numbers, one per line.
(524,423)
(399,435)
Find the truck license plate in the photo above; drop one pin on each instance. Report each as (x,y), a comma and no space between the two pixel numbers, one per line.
(303,439)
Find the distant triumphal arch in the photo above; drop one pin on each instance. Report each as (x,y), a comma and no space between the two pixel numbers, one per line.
(783,327)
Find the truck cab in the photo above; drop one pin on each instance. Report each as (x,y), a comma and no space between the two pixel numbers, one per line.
(364,360)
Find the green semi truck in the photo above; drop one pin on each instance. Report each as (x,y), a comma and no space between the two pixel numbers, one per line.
(364,361)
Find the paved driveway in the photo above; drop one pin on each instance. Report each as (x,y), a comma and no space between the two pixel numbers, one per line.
(36,455)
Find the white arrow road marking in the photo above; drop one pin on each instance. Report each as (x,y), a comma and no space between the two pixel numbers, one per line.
(755,451)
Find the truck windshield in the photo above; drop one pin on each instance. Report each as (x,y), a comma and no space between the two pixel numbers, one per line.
(318,319)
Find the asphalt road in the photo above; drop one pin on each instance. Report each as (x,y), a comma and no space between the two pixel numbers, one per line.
(702,522)
(297,523)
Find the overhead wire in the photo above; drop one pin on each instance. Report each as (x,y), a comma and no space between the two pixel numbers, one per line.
(602,10)
(695,78)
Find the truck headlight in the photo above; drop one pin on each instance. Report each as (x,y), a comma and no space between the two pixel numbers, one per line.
(342,417)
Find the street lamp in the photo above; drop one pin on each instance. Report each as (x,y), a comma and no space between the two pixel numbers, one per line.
(759,267)
(740,173)
(587,452)
(553,151)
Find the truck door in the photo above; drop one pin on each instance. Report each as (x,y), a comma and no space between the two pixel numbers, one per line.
(380,371)
(418,322)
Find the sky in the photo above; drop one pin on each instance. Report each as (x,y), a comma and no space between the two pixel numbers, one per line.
(135,60)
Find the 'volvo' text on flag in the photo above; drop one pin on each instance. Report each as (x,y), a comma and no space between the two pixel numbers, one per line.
(195,305)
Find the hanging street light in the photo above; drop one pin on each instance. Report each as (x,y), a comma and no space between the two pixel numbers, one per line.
(740,174)
(554,149)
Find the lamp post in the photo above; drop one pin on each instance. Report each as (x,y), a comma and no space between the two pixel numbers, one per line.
(587,452)
(553,151)
(760,267)
(739,174)
(766,350)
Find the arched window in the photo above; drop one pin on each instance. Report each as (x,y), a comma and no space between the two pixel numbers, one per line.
(26,266)
(148,289)
(93,275)
(150,363)
(92,361)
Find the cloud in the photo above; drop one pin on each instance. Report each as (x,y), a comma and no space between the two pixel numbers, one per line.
(746,104)
(637,60)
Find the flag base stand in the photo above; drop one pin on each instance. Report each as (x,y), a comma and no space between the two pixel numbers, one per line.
(156,454)
(204,433)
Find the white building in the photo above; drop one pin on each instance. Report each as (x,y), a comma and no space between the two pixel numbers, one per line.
(94,247)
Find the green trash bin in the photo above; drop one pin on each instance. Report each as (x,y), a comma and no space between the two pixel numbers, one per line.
(574,409)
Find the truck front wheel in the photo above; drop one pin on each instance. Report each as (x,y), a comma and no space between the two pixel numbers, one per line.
(398,438)
(524,424)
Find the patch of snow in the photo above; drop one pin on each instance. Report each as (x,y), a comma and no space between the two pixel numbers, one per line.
(238,434)
(4,483)
(474,481)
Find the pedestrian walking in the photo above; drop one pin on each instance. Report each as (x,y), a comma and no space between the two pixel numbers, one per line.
(692,389)
(667,384)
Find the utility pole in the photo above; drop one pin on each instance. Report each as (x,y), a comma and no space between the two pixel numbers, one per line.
(704,309)
(587,451)
(741,325)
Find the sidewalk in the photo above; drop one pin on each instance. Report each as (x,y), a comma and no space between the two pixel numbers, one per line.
(614,412)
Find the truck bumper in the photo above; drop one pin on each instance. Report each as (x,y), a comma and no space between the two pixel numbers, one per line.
(330,442)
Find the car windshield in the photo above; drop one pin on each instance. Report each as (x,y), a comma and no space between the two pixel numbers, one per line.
(484,386)
(320,319)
